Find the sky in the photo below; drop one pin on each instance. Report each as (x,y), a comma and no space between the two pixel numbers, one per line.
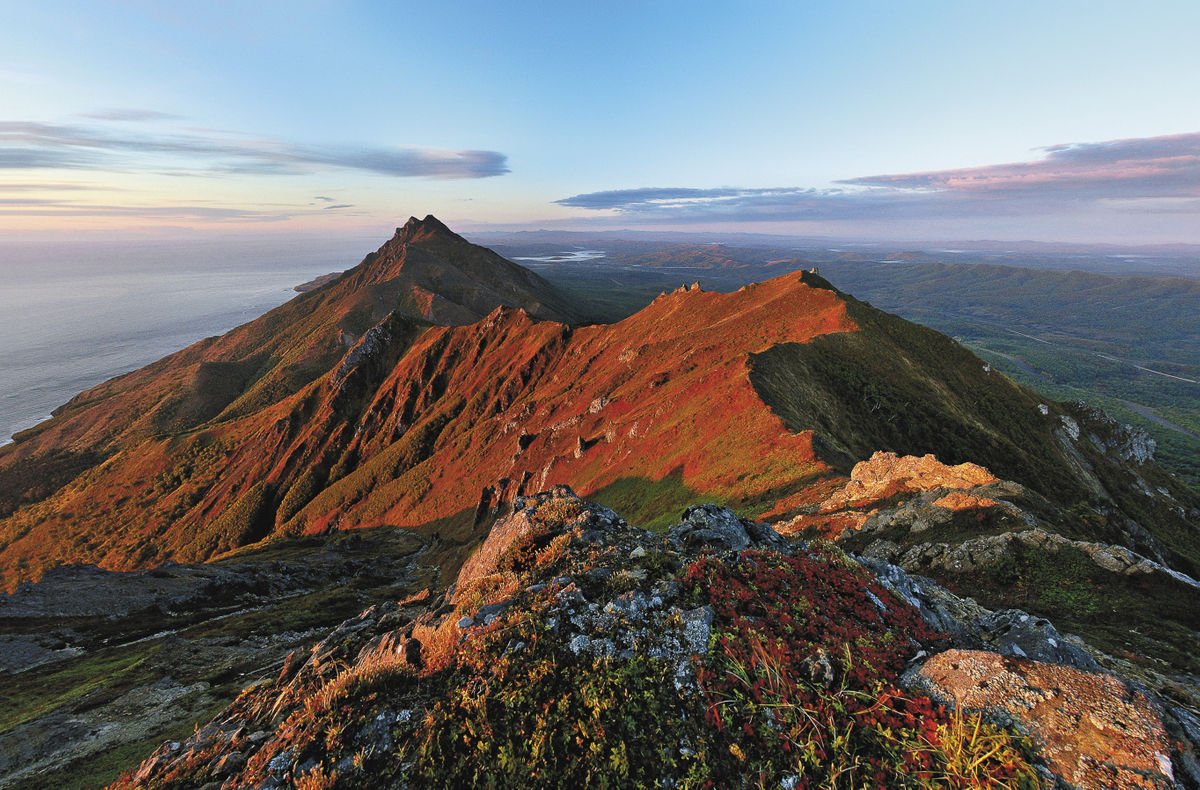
(1062,121)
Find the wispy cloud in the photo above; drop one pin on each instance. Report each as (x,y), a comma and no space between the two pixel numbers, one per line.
(129,114)
(49,186)
(1158,174)
(29,145)
(1143,167)
(55,208)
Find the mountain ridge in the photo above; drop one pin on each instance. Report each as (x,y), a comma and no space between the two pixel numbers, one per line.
(375,434)
(785,404)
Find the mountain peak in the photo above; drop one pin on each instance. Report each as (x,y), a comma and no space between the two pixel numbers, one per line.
(420,229)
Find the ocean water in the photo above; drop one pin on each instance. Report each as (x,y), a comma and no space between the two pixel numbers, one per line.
(75,314)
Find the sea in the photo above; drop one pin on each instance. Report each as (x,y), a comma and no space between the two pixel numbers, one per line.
(74,314)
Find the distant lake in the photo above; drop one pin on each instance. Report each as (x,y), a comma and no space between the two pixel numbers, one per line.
(571,256)
(74,314)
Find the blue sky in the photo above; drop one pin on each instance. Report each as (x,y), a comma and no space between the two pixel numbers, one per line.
(1059,121)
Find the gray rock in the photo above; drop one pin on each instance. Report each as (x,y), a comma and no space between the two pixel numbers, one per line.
(1009,632)
(1013,632)
(229,764)
(721,528)
(819,668)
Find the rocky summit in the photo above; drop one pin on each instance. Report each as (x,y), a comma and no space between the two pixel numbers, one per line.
(577,650)
(340,546)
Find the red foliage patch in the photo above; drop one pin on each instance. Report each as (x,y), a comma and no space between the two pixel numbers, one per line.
(803,677)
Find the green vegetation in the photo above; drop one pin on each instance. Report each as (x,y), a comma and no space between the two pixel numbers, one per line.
(561,720)
(901,387)
(194,652)
(798,686)
(1071,335)
(107,766)
(651,504)
(37,478)
(1146,618)
(88,680)
(248,519)
(802,682)
(300,493)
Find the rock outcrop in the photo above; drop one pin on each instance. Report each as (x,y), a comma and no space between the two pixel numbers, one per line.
(886,474)
(1093,731)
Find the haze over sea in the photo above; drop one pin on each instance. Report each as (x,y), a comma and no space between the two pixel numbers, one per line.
(74,314)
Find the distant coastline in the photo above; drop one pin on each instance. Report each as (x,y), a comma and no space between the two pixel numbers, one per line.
(74,315)
(316,282)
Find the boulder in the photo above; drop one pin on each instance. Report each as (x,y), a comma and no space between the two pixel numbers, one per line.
(1091,730)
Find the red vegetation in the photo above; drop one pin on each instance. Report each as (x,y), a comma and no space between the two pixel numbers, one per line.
(413,433)
(804,674)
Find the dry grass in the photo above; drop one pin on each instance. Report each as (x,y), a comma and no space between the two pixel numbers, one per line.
(969,749)
(366,671)
(438,643)
(553,552)
(316,779)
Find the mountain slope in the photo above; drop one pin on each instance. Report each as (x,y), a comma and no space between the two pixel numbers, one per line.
(762,399)
(425,274)
(744,398)
(407,433)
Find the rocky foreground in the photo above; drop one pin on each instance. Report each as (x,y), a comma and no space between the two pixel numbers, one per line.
(576,650)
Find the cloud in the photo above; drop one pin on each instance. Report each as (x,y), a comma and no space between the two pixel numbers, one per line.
(59,207)
(51,187)
(743,204)
(129,114)
(18,158)
(621,198)
(1149,175)
(1146,167)
(28,145)
(323,197)
(54,208)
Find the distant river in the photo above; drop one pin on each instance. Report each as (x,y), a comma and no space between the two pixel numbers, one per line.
(75,314)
